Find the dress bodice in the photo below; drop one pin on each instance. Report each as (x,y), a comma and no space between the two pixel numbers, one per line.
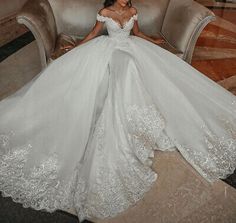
(116,30)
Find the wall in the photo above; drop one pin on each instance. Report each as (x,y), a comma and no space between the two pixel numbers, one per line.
(9,28)
(9,7)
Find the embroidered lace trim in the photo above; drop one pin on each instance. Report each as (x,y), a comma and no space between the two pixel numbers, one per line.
(219,161)
(101,18)
(40,188)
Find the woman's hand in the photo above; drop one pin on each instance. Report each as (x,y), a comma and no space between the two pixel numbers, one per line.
(71,46)
(158,40)
(137,32)
(67,48)
(78,42)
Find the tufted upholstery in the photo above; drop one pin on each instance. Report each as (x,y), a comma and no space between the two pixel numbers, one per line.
(179,22)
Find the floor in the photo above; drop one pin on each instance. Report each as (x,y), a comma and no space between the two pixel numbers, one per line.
(215,52)
(14,213)
(215,56)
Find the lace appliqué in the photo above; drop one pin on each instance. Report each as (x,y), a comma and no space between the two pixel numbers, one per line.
(40,188)
(135,17)
(219,160)
(145,122)
(100,18)
(119,186)
(147,131)
(116,30)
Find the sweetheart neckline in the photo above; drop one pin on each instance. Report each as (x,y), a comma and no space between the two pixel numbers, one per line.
(121,26)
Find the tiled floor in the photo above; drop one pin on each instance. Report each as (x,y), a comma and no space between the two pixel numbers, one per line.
(215,53)
(215,56)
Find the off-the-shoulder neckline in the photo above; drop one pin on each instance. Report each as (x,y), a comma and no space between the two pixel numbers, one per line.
(118,23)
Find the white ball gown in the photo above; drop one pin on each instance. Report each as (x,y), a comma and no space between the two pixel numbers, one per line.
(83,132)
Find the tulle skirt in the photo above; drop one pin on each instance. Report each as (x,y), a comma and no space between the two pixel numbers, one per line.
(83,132)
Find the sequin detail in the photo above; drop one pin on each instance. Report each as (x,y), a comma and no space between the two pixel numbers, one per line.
(147,131)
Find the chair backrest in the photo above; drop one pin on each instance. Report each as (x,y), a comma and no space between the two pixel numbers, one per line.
(77,17)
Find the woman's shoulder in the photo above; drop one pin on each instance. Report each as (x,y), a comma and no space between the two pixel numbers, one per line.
(103,12)
(133,10)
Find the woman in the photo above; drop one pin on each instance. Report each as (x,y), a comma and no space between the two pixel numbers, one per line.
(82,133)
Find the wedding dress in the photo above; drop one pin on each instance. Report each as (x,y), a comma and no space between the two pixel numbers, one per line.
(83,132)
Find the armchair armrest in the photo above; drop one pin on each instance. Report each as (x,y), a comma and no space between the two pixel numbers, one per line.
(38,16)
(183,23)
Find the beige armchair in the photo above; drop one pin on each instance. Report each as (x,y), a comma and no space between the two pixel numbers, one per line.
(180,22)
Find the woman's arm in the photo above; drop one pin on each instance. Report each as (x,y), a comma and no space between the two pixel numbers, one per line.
(93,33)
(137,32)
(142,35)
(96,29)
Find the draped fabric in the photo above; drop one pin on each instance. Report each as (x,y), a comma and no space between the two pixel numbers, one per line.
(83,132)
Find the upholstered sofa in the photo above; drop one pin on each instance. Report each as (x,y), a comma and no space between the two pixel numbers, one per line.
(180,22)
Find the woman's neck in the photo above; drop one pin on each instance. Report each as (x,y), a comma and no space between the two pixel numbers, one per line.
(119,7)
